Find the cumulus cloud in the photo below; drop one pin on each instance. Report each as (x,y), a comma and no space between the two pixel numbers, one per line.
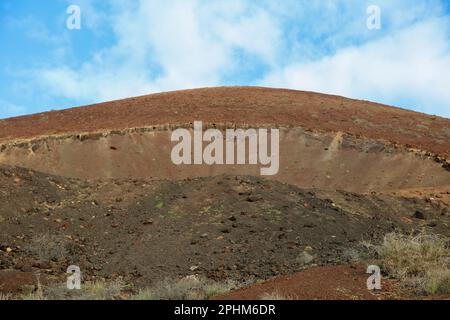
(310,45)
(168,45)
(409,66)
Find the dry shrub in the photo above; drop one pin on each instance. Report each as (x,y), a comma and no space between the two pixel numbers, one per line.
(97,290)
(274,296)
(420,262)
(437,282)
(188,288)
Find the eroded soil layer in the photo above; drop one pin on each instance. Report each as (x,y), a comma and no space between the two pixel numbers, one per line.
(307,159)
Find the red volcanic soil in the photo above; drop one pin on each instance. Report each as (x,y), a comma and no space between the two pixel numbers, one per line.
(320,283)
(342,282)
(243,106)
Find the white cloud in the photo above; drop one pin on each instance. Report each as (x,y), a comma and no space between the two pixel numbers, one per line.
(164,45)
(321,46)
(411,65)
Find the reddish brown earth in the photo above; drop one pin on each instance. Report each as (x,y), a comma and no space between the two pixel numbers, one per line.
(343,282)
(243,106)
(320,283)
(17,282)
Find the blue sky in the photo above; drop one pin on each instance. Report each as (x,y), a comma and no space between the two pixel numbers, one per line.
(128,48)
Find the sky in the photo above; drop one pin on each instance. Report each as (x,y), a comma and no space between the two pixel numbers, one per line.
(129,48)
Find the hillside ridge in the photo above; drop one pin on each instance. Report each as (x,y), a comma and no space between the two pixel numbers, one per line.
(242,106)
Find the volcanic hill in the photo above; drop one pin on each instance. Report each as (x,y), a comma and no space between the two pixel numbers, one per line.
(95,186)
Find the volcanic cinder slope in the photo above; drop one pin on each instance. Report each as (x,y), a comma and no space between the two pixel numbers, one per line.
(326,141)
(95,186)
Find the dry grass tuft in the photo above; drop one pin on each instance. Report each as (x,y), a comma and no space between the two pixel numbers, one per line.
(421,262)
(274,296)
(188,288)
(98,290)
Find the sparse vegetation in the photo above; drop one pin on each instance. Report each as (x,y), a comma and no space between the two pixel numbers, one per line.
(437,282)
(188,288)
(97,290)
(274,296)
(421,262)
(5,297)
(37,294)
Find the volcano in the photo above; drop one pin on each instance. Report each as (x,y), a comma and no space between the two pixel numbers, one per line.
(95,187)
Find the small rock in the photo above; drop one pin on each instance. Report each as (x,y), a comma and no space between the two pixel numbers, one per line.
(419,215)
(291,244)
(42,264)
(26,268)
(253,198)
(432,224)
(309,225)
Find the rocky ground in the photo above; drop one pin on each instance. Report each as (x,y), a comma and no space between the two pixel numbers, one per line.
(226,227)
